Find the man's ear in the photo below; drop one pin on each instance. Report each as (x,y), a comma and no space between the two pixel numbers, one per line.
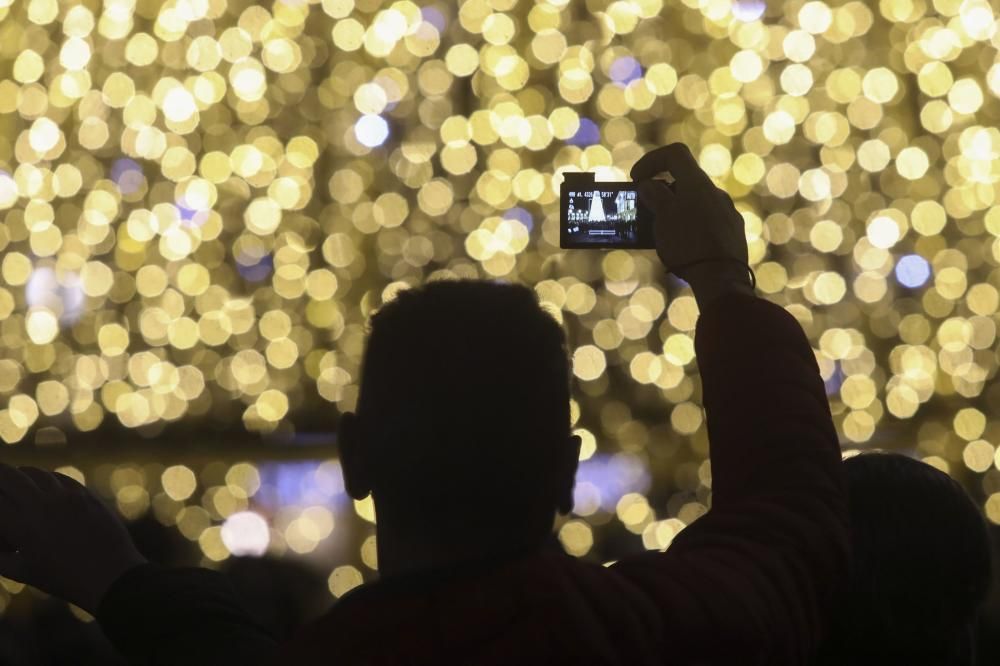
(353,458)
(569,459)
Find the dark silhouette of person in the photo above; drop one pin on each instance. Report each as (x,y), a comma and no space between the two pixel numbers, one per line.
(280,594)
(921,568)
(463,439)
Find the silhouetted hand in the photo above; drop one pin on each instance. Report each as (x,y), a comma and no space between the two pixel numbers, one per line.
(59,537)
(699,233)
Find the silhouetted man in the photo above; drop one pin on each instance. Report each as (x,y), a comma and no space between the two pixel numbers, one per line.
(462,437)
(921,568)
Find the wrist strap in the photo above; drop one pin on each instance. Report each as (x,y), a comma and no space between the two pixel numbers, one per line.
(753,276)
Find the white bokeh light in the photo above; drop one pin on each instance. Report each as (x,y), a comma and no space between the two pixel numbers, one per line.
(8,190)
(64,296)
(371,130)
(883,232)
(246,533)
(749,10)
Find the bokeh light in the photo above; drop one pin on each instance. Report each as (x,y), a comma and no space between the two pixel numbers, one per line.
(913,271)
(245,533)
(201,203)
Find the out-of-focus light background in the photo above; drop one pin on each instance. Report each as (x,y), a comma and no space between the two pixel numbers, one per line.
(201,202)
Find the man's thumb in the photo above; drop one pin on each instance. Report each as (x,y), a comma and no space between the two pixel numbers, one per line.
(12,566)
(654,194)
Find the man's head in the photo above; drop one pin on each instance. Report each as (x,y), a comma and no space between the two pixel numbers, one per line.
(462,431)
(921,567)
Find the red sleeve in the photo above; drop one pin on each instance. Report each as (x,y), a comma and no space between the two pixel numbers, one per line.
(750,582)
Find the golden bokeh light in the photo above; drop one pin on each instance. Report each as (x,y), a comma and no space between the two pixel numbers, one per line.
(201,204)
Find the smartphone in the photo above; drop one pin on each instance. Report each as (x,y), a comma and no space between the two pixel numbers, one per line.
(602,216)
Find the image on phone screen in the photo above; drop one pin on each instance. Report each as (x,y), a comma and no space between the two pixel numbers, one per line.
(598,216)
(603,215)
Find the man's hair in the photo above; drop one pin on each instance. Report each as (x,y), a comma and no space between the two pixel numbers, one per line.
(920,570)
(464,398)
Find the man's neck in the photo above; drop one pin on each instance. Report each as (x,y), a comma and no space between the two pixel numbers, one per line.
(401,555)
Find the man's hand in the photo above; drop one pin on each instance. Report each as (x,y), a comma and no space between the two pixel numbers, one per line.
(59,537)
(695,222)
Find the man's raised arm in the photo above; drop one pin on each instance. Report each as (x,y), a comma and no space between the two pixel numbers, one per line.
(751,581)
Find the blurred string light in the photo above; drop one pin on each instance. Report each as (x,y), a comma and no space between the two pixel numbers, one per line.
(246,533)
(201,203)
(372,130)
(913,271)
(748,10)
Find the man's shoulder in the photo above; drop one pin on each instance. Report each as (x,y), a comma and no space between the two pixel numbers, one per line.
(549,589)
(534,574)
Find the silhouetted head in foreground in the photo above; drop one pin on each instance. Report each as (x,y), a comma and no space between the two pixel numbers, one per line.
(462,431)
(921,567)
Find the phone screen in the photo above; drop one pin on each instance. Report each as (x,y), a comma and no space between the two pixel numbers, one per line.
(603,216)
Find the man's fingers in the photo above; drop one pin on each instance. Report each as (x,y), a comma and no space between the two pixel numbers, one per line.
(10,532)
(12,566)
(47,482)
(17,487)
(68,482)
(12,527)
(655,194)
(675,158)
